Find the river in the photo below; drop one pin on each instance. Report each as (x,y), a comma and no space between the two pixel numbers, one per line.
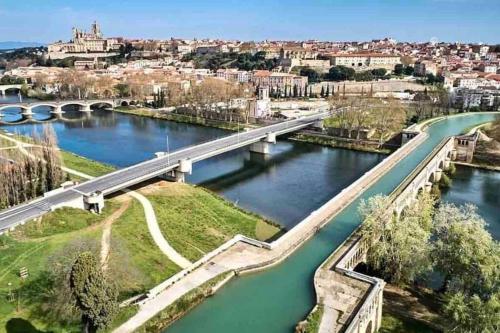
(296,179)
(481,188)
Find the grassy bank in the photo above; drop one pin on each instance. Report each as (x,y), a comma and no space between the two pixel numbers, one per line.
(85,165)
(192,219)
(37,246)
(196,221)
(312,322)
(337,143)
(144,112)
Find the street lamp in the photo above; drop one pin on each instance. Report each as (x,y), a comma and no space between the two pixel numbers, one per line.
(168,152)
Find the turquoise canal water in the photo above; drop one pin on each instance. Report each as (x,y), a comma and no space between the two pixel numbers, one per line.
(276,299)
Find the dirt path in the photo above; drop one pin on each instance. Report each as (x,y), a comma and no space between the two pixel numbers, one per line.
(106,231)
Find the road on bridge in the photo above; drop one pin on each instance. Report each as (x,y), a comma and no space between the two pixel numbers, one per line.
(135,174)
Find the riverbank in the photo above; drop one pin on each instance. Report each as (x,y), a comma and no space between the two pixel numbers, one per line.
(329,141)
(179,118)
(135,262)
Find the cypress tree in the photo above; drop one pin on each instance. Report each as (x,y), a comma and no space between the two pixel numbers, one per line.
(322,93)
(305,90)
(328,90)
(96,298)
(311,91)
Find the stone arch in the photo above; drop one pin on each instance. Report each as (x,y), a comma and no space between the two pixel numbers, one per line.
(432,177)
(73,104)
(98,103)
(369,327)
(132,103)
(21,108)
(12,89)
(441,165)
(125,103)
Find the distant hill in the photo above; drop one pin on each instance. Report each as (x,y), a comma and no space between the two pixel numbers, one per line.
(18,45)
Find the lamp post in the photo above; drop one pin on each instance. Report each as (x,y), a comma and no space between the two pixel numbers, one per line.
(168,152)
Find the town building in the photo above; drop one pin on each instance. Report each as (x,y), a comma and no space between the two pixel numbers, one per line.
(85,45)
(365,61)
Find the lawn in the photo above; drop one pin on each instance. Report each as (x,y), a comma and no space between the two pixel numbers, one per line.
(34,250)
(394,324)
(135,259)
(196,221)
(85,165)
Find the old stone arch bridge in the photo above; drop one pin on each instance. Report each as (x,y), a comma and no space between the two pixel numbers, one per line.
(26,109)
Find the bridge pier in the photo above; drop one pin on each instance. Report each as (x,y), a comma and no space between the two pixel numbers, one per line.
(57,110)
(263,147)
(86,108)
(2,92)
(94,202)
(437,175)
(27,113)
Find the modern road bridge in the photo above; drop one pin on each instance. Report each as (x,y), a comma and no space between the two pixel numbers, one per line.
(89,195)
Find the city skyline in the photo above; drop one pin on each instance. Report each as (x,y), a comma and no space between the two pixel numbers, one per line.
(418,21)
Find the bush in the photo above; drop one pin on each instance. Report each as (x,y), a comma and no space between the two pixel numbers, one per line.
(445,181)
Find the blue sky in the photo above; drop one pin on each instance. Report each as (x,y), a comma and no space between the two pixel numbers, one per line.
(412,20)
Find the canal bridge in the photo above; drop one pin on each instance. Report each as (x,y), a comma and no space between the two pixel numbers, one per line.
(175,165)
(84,105)
(351,301)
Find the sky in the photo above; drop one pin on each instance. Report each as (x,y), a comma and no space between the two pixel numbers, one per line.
(337,20)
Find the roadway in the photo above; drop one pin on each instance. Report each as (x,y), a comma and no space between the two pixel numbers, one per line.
(137,173)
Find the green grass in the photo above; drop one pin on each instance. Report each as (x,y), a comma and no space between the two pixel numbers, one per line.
(393,324)
(313,320)
(134,253)
(33,254)
(85,165)
(180,118)
(196,221)
(62,220)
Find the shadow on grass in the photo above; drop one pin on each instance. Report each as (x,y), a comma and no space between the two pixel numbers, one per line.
(19,325)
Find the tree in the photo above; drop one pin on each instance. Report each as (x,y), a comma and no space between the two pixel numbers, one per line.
(295,91)
(340,73)
(322,94)
(464,252)
(327,94)
(379,72)
(96,298)
(398,69)
(472,314)
(398,248)
(311,74)
(409,70)
(363,76)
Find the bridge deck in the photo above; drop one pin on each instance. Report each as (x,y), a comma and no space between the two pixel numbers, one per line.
(123,178)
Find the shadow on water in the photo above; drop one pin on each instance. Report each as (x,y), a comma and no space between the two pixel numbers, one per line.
(20,325)
(253,165)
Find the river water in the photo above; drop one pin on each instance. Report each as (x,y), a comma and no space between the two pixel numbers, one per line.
(481,188)
(295,179)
